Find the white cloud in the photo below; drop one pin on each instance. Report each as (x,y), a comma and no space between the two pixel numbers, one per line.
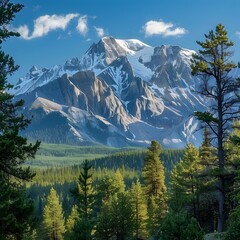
(100,32)
(44,24)
(161,28)
(238,34)
(23,31)
(82,26)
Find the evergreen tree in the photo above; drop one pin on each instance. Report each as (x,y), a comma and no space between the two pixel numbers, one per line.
(207,214)
(178,225)
(53,220)
(16,211)
(233,160)
(206,151)
(122,216)
(233,225)
(185,184)
(71,221)
(85,198)
(154,186)
(212,64)
(116,219)
(105,222)
(139,208)
(157,210)
(14,149)
(109,186)
(153,171)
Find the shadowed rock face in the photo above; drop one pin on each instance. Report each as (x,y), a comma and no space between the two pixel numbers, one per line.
(119,93)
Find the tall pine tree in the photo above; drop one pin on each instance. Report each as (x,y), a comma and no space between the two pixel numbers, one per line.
(153,171)
(14,149)
(53,220)
(139,208)
(15,210)
(185,184)
(213,65)
(85,198)
(154,188)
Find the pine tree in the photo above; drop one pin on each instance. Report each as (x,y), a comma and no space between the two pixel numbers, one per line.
(122,216)
(85,198)
(16,210)
(14,149)
(105,227)
(212,64)
(206,151)
(178,225)
(116,219)
(139,208)
(207,215)
(153,171)
(155,189)
(185,184)
(109,186)
(53,220)
(71,221)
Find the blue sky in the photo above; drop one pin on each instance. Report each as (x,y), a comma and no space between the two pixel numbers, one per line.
(56,30)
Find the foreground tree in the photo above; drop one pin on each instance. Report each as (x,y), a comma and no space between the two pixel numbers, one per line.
(15,212)
(153,171)
(139,208)
(213,66)
(53,220)
(14,149)
(178,225)
(72,219)
(154,188)
(85,198)
(185,183)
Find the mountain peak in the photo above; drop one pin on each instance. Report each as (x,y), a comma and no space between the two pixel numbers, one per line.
(33,69)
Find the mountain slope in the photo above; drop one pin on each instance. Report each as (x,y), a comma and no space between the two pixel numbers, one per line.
(119,93)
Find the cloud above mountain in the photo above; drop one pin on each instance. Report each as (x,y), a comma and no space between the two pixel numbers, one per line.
(161,28)
(100,31)
(82,26)
(47,23)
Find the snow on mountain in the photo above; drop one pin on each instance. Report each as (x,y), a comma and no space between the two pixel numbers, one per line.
(120,92)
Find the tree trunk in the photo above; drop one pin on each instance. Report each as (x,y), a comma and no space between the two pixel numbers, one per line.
(221,200)
(221,165)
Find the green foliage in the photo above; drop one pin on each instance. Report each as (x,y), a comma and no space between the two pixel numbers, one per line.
(53,220)
(185,184)
(176,225)
(153,171)
(108,186)
(14,149)
(157,209)
(105,225)
(71,221)
(15,212)
(122,216)
(139,208)
(233,225)
(116,220)
(85,200)
(213,65)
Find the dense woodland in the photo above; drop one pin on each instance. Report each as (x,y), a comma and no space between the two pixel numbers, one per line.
(136,194)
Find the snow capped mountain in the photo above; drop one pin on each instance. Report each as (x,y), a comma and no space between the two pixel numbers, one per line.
(120,92)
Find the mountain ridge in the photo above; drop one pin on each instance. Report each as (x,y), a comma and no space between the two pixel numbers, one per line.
(125,90)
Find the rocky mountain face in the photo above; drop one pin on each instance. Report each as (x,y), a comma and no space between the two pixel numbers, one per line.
(119,93)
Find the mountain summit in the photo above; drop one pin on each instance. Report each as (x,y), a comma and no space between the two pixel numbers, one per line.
(119,93)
